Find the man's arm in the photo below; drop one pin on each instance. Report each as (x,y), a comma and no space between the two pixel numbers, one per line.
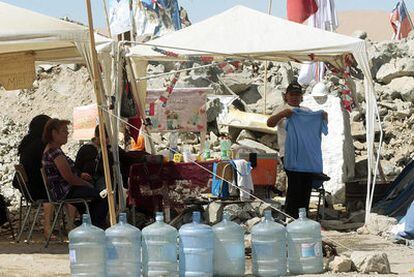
(274,119)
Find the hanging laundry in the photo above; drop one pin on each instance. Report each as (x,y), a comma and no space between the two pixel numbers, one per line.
(303,151)
(244,178)
(119,16)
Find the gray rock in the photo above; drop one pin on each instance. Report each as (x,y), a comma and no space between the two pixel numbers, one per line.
(246,134)
(360,34)
(403,86)
(379,224)
(366,262)
(236,211)
(340,264)
(238,82)
(215,212)
(256,145)
(394,69)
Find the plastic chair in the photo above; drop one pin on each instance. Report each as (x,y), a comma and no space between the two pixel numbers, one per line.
(6,215)
(59,204)
(22,181)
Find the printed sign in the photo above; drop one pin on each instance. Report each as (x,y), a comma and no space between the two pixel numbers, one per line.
(85,118)
(17,71)
(185,110)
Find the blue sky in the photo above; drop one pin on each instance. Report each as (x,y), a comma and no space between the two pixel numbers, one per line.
(197,9)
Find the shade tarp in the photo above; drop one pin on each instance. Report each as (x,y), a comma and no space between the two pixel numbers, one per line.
(47,38)
(243,33)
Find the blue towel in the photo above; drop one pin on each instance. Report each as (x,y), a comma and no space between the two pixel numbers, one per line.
(303,151)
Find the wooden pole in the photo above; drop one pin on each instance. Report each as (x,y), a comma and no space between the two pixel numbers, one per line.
(108,26)
(97,86)
(269,9)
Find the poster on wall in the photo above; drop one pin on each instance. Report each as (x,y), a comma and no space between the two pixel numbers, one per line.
(85,118)
(185,110)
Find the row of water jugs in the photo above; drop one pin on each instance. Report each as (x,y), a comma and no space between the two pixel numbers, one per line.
(203,250)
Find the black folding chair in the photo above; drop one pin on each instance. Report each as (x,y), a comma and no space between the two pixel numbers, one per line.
(59,204)
(5,216)
(22,181)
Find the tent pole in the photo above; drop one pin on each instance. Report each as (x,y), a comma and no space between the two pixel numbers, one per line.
(99,96)
(269,11)
(108,26)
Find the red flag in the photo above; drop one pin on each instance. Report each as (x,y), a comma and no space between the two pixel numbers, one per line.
(400,21)
(300,10)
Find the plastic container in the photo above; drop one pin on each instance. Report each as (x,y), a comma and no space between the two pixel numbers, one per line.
(228,248)
(87,249)
(269,247)
(196,248)
(159,249)
(304,245)
(225,148)
(123,249)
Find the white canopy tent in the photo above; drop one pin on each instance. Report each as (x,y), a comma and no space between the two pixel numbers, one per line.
(48,38)
(243,33)
(27,37)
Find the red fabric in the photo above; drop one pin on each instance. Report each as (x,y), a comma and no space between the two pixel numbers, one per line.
(300,10)
(171,172)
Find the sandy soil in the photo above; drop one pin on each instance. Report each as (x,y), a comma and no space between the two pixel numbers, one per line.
(21,259)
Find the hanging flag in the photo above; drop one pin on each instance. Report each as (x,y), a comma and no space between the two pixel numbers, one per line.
(326,19)
(119,16)
(400,21)
(299,10)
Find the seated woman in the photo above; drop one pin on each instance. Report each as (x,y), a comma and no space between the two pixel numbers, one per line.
(63,181)
(30,153)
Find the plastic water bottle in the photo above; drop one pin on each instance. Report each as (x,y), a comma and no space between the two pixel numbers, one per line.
(123,249)
(159,249)
(304,245)
(269,247)
(196,248)
(228,248)
(87,249)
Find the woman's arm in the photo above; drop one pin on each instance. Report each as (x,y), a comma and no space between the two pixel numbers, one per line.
(66,172)
(274,119)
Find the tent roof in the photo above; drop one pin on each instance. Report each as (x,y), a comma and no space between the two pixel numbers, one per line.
(49,38)
(255,35)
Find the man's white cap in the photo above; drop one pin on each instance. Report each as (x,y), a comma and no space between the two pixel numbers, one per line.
(319,90)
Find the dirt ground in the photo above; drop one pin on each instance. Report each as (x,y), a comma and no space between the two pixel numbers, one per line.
(22,259)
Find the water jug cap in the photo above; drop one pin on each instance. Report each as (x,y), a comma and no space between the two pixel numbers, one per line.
(86,219)
(268,215)
(159,216)
(226,216)
(302,213)
(196,216)
(122,218)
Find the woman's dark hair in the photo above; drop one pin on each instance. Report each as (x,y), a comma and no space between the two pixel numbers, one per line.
(52,124)
(36,127)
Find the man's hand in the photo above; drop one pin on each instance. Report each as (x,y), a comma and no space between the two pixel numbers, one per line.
(86,176)
(325,116)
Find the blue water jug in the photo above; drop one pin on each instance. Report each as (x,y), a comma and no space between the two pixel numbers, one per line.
(304,245)
(196,248)
(228,248)
(123,249)
(269,247)
(87,249)
(159,249)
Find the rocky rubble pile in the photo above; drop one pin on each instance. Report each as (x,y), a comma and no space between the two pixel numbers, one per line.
(60,88)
